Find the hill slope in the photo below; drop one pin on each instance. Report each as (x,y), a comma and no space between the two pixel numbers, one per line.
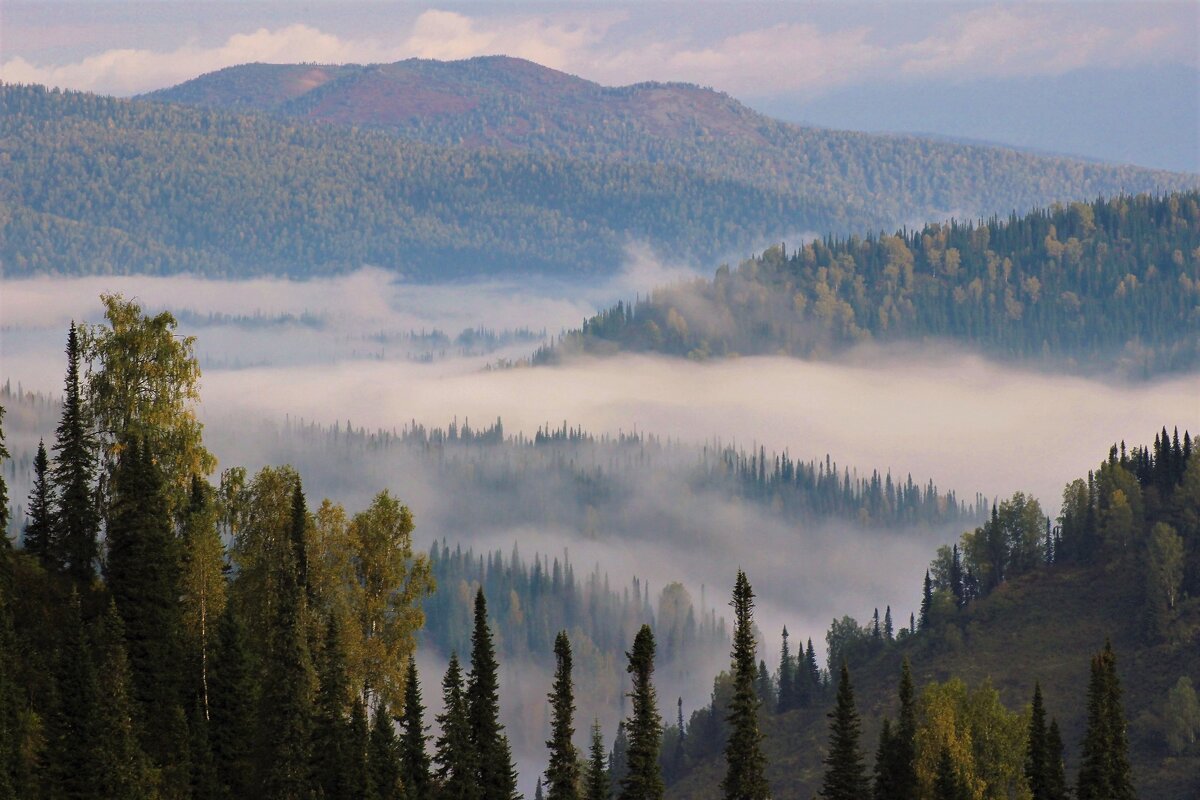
(512,104)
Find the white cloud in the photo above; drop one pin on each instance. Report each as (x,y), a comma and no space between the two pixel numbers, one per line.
(614,46)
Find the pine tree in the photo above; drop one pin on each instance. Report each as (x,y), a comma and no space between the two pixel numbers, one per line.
(562,773)
(496,773)
(330,743)
(745,764)
(904,742)
(383,758)
(1056,769)
(787,680)
(231,707)
(644,778)
(414,760)
(1036,749)
(76,516)
(598,786)
(455,756)
(142,574)
(39,529)
(845,775)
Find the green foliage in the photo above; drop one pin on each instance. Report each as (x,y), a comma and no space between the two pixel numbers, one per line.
(744,761)
(457,773)
(383,758)
(1182,716)
(232,695)
(845,774)
(1104,771)
(597,785)
(414,761)
(562,773)
(39,529)
(643,776)
(331,746)
(1084,287)
(495,771)
(76,520)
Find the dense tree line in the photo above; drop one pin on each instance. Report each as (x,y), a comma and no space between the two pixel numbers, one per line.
(1085,285)
(514,105)
(96,185)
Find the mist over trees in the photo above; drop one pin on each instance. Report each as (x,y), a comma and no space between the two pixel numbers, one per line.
(1084,286)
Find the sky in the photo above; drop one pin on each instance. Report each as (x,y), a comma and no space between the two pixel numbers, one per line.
(1116,81)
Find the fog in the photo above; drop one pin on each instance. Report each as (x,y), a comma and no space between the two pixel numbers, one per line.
(278,351)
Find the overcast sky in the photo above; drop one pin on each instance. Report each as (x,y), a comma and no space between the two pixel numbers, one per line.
(1135,65)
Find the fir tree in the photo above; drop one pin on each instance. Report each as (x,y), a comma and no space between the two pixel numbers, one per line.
(121,766)
(885,758)
(845,776)
(73,737)
(456,773)
(745,764)
(330,743)
(946,784)
(598,786)
(618,759)
(562,773)
(142,573)
(1036,749)
(926,601)
(76,516)
(39,529)
(889,630)
(414,760)
(383,757)
(643,780)
(496,773)
(808,678)
(231,707)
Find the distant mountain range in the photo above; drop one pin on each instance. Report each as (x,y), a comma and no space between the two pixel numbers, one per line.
(489,165)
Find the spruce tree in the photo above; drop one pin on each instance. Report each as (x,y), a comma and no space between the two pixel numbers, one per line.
(904,742)
(598,786)
(142,573)
(885,757)
(618,759)
(643,781)
(946,784)
(39,529)
(231,707)
(889,630)
(456,772)
(414,760)
(562,772)
(358,737)
(926,601)
(845,775)
(73,736)
(383,757)
(76,515)
(787,680)
(745,764)
(1036,749)
(1104,770)
(205,782)
(121,770)
(496,773)
(330,742)
(1056,768)
(285,715)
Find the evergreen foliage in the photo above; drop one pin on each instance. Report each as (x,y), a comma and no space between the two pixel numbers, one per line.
(414,760)
(745,765)
(597,783)
(76,515)
(563,773)
(383,758)
(1104,770)
(457,772)
(39,529)
(643,777)
(330,735)
(496,773)
(845,773)
(1038,759)
(232,691)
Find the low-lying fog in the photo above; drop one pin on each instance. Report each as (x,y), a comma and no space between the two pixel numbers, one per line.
(335,350)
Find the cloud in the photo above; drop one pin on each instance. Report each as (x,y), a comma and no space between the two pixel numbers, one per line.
(794,54)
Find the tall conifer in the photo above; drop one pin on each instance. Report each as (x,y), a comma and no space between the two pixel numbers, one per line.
(904,743)
(845,775)
(562,772)
(76,514)
(383,757)
(39,529)
(1104,770)
(643,781)
(745,764)
(497,775)
(330,743)
(787,680)
(456,772)
(231,707)
(598,785)
(1036,749)
(414,760)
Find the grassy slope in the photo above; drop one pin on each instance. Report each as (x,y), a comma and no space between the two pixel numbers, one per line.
(1042,627)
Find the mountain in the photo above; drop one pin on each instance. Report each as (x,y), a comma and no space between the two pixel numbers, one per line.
(1106,286)
(513,104)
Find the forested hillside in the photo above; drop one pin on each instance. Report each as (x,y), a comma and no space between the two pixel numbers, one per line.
(95,185)
(516,105)
(1112,285)
(1016,605)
